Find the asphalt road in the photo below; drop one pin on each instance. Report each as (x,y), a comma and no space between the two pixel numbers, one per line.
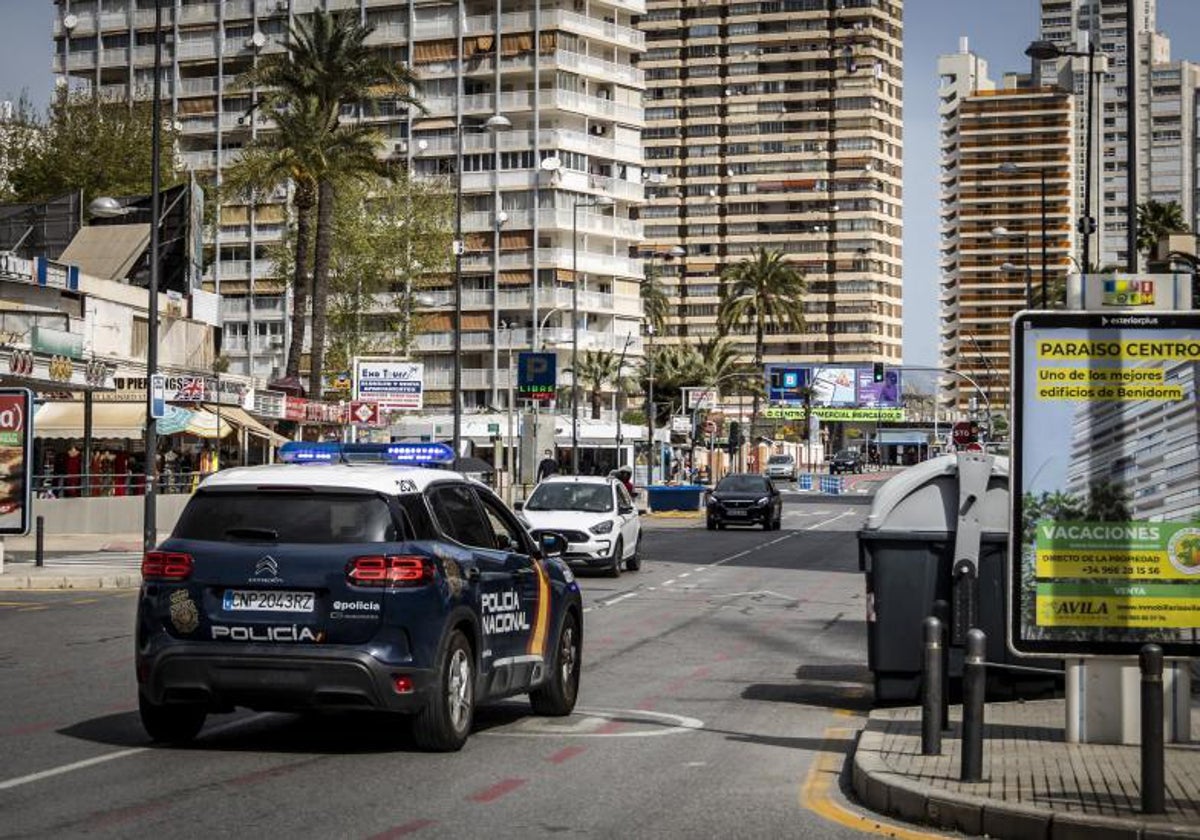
(721,689)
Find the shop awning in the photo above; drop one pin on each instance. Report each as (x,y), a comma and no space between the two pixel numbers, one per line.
(197,422)
(109,420)
(239,417)
(904,437)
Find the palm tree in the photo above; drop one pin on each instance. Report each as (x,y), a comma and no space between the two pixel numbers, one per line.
(327,66)
(758,291)
(1156,219)
(656,305)
(288,153)
(596,369)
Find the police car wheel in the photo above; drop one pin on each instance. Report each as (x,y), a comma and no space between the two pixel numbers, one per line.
(618,551)
(445,722)
(556,696)
(171,723)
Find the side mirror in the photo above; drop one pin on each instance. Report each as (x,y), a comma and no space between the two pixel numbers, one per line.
(623,509)
(518,505)
(554,545)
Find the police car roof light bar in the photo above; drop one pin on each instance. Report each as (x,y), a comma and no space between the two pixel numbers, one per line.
(401,454)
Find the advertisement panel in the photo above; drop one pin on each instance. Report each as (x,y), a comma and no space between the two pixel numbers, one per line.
(786,384)
(872,394)
(834,387)
(16,460)
(396,384)
(1105,536)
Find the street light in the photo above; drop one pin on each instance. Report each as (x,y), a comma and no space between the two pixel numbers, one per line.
(620,366)
(599,202)
(1000,232)
(1010,168)
(496,122)
(1048,50)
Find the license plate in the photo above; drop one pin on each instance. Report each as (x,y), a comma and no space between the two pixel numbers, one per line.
(253,600)
(738,512)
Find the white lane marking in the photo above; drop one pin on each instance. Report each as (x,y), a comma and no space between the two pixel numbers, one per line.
(535,727)
(684,574)
(101,759)
(612,601)
(816,525)
(668,582)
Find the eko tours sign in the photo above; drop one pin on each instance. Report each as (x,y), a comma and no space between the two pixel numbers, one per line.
(396,384)
(1104,552)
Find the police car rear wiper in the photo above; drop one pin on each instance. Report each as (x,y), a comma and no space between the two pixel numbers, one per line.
(253,533)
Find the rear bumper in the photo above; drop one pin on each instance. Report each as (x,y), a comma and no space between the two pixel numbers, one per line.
(259,677)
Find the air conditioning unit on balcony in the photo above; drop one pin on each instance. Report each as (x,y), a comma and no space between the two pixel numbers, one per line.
(281,5)
(599,130)
(275,340)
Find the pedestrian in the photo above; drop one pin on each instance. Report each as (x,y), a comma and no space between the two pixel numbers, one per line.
(548,466)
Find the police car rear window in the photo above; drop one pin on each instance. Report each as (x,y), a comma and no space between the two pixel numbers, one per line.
(287,517)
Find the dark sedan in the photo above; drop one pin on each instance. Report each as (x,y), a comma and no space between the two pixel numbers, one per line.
(745,499)
(846,461)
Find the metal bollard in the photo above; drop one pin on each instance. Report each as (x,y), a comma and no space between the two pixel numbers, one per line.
(974,684)
(1150,659)
(39,552)
(941,610)
(931,689)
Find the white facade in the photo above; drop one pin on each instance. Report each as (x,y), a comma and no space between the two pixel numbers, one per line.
(575,100)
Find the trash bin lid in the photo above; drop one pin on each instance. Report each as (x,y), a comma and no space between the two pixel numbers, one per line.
(924,498)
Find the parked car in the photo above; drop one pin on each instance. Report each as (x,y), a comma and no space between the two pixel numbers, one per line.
(328,585)
(846,461)
(595,514)
(781,466)
(745,499)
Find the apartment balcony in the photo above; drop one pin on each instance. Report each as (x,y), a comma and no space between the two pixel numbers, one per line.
(511,102)
(241,270)
(588,222)
(575,141)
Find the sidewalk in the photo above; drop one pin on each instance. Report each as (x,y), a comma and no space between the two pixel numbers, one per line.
(65,569)
(1034,784)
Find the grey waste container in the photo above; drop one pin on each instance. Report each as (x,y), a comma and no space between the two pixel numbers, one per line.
(906,551)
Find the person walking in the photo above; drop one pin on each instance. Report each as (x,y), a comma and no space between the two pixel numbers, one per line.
(547,467)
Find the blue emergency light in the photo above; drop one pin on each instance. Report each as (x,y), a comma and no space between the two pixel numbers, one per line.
(401,454)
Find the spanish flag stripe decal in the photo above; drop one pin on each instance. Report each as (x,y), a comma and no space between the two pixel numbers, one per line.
(537,641)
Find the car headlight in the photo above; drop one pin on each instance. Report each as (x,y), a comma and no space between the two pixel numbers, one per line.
(713,500)
(764,500)
(602,527)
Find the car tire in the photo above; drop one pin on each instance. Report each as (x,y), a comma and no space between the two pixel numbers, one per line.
(445,722)
(556,696)
(171,723)
(634,563)
(615,569)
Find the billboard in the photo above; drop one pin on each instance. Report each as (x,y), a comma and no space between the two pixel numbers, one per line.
(16,460)
(872,394)
(537,376)
(1104,552)
(396,384)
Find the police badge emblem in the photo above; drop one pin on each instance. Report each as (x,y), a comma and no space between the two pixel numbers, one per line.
(184,614)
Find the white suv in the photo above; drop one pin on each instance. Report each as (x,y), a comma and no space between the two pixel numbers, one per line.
(781,466)
(594,513)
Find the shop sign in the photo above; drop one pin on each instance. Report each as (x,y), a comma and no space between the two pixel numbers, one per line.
(56,342)
(294,409)
(269,404)
(1105,540)
(16,461)
(396,384)
(364,412)
(887,415)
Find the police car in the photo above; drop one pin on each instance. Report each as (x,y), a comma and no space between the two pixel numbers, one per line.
(353,577)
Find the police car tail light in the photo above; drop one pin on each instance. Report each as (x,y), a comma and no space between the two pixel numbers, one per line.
(394,570)
(166,566)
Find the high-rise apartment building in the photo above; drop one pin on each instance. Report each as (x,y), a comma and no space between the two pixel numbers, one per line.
(1165,113)
(778,125)
(547,202)
(1006,219)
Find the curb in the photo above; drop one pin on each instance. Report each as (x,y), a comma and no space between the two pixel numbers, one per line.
(888,792)
(54,582)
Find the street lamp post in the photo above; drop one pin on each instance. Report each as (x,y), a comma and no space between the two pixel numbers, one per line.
(1001,232)
(1045,51)
(620,365)
(496,122)
(1009,168)
(599,202)
(150,510)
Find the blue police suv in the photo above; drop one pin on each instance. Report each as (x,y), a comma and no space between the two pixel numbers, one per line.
(350,578)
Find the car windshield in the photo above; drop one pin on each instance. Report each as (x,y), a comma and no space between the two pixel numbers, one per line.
(780,459)
(286,517)
(741,484)
(847,454)
(570,495)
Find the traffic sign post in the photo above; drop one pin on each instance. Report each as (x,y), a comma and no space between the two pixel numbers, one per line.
(964,433)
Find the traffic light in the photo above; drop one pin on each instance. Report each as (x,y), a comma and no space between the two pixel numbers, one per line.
(735,435)
(877,372)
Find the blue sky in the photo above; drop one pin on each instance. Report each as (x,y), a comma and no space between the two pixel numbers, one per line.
(999,30)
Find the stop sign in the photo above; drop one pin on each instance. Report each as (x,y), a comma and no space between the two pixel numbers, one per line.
(963,433)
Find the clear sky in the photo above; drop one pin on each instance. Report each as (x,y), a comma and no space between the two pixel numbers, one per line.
(999,31)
